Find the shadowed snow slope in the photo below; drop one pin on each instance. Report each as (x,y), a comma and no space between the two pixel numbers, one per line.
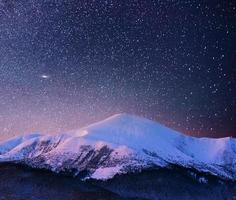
(120,144)
(9,144)
(140,133)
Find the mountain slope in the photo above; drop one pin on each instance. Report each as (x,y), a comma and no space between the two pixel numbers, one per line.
(121,144)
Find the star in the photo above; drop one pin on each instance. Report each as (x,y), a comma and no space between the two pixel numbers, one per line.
(77,63)
(44,76)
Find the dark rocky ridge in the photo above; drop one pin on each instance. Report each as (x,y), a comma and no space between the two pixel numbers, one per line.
(171,184)
(20,182)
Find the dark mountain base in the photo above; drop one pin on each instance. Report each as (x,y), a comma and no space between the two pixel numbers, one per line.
(20,183)
(171,184)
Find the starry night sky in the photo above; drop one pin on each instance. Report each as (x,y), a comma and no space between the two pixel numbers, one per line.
(66,64)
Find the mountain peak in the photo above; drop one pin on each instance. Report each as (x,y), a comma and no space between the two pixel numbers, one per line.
(130,130)
(125,117)
(123,140)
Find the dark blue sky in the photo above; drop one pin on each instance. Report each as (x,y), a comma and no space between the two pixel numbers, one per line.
(65,64)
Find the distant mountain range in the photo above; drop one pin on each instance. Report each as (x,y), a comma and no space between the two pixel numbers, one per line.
(123,144)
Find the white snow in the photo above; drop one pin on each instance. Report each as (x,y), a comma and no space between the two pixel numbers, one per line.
(140,133)
(104,173)
(137,141)
(15,141)
(134,132)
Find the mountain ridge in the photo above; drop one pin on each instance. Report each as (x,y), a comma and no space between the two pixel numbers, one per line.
(121,144)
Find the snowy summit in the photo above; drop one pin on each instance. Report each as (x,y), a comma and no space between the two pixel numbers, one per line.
(121,144)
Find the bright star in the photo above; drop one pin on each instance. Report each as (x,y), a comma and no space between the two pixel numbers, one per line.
(44,76)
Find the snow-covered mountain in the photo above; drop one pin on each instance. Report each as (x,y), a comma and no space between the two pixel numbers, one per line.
(120,144)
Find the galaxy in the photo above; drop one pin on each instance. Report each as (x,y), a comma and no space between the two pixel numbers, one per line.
(66,64)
